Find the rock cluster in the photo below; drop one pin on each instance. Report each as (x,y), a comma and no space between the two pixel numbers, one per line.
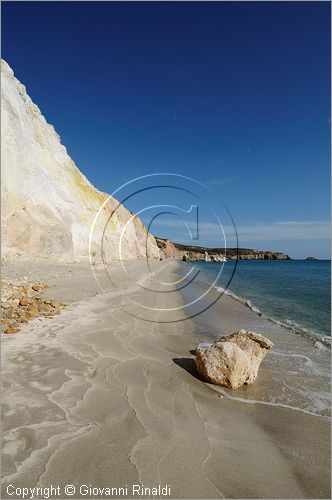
(233,360)
(21,301)
(217,258)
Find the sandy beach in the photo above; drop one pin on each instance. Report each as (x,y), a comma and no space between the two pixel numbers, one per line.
(166,257)
(98,397)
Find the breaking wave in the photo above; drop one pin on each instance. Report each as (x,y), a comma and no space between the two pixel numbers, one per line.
(321,342)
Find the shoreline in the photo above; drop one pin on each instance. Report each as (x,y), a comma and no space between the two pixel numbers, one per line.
(297,372)
(316,339)
(323,338)
(98,396)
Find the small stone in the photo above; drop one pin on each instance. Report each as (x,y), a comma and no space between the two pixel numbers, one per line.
(55,304)
(13,322)
(36,288)
(43,307)
(11,329)
(24,302)
(32,313)
(5,305)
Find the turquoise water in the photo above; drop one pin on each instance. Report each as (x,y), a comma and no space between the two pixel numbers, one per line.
(294,292)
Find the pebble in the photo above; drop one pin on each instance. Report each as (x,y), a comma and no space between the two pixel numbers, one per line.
(11,329)
(37,287)
(55,304)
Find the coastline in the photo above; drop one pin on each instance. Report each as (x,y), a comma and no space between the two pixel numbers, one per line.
(321,342)
(297,369)
(310,319)
(122,394)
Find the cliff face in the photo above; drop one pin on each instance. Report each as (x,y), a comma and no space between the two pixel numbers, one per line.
(178,251)
(169,249)
(48,206)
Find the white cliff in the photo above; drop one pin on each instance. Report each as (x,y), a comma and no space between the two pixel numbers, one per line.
(48,206)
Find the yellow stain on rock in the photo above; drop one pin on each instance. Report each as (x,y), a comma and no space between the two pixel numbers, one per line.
(85,189)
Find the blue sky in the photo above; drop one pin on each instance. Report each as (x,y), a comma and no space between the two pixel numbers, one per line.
(233,94)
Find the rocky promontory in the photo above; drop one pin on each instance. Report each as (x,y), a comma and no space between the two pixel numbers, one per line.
(187,252)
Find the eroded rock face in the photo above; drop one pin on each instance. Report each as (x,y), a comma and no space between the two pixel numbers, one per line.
(48,205)
(233,360)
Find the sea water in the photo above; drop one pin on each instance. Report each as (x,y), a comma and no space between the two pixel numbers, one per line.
(294,292)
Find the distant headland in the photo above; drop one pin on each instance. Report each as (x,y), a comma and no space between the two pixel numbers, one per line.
(188,252)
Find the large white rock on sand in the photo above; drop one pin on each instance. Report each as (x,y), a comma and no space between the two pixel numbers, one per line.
(48,206)
(233,360)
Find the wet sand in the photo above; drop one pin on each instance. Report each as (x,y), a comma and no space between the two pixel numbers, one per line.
(98,396)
